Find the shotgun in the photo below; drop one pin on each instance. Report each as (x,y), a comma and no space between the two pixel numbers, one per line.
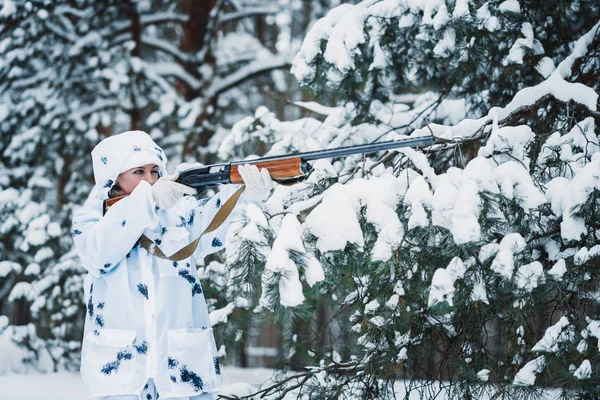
(285,169)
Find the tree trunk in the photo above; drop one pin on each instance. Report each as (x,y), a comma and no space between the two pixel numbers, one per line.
(323,338)
(196,40)
(300,358)
(136,34)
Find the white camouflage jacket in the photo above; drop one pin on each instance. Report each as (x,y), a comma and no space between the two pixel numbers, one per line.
(146,317)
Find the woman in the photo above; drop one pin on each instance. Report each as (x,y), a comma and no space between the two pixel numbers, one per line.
(147,330)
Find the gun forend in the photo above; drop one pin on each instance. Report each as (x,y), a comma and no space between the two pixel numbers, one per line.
(285,171)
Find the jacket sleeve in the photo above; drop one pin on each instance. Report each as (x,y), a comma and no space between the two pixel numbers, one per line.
(103,241)
(204,210)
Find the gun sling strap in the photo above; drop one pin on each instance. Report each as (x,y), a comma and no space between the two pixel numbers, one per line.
(189,249)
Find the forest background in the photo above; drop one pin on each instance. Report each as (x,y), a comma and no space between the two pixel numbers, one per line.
(472,262)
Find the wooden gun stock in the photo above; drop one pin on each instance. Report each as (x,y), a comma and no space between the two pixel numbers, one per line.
(108,203)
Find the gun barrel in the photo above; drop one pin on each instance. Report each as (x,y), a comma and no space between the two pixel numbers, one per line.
(349,150)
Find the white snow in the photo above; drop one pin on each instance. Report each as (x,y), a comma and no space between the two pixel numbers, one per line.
(6,267)
(552,336)
(584,371)
(392,303)
(527,276)
(484,375)
(445,46)
(510,6)
(316,107)
(516,178)
(461,9)
(321,30)
(523,45)
(334,221)
(509,140)
(526,375)
(280,263)
(488,21)
(442,283)
(33,269)
(221,316)
(577,193)
(69,386)
(314,271)
(20,290)
(53,229)
(378,321)
(479,292)
(371,307)
(8,8)
(456,205)
(488,250)
(593,329)
(545,67)
(345,37)
(419,197)
(503,263)
(558,270)
(379,58)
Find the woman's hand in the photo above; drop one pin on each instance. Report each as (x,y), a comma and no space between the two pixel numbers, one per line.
(166,192)
(258,183)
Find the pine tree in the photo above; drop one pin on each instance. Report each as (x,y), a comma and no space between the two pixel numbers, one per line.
(473,261)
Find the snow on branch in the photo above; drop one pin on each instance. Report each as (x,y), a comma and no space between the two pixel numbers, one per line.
(67,36)
(249,12)
(159,18)
(315,107)
(151,19)
(250,71)
(177,71)
(556,86)
(99,105)
(166,47)
(33,80)
(70,10)
(159,80)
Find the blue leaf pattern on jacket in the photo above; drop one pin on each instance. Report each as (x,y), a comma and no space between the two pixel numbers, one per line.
(141,348)
(113,366)
(143,289)
(191,378)
(217,366)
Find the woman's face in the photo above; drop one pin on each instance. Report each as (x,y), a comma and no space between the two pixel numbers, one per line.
(129,179)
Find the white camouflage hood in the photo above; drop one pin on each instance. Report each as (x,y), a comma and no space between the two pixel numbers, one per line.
(121,152)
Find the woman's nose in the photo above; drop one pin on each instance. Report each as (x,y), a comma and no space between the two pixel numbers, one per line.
(150,178)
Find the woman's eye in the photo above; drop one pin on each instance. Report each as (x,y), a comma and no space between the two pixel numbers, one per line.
(155,172)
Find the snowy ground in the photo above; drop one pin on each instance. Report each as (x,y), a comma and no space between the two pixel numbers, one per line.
(68,386)
(236,381)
